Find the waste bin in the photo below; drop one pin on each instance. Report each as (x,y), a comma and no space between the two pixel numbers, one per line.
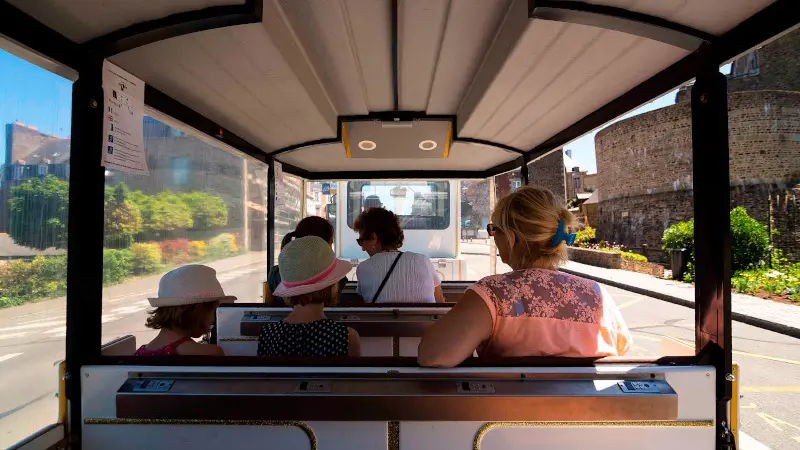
(679,258)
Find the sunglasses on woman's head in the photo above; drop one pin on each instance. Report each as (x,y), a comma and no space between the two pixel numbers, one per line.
(491,229)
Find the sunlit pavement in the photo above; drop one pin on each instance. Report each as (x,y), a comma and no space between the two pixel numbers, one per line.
(770,366)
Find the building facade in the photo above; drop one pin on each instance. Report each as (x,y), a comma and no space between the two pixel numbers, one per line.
(645,162)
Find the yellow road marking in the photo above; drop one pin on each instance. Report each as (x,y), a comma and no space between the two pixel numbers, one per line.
(632,302)
(774,421)
(735,352)
(771,358)
(770,388)
(653,325)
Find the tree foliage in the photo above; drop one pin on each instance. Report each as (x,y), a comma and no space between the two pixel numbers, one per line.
(208,211)
(38,211)
(123,220)
(162,212)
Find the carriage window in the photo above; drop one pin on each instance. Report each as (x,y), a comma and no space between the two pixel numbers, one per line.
(35,114)
(420,205)
(288,206)
(202,203)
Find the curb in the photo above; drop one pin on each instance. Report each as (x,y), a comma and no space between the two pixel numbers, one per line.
(739,317)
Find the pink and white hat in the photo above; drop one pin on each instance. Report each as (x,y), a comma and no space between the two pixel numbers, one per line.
(308,264)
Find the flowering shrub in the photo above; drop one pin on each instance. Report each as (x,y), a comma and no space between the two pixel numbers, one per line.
(146,258)
(783,281)
(603,246)
(198,249)
(585,236)
(175,251)
(222,245)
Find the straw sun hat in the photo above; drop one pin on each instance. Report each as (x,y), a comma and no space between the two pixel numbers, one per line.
(306,265)
(189,284)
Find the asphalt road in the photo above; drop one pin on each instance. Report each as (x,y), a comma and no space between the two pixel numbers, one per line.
(33,341)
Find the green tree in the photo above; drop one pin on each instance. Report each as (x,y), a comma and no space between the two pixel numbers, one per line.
(122,217)
(208,211)
(163,212)
(749,241)
(38,212)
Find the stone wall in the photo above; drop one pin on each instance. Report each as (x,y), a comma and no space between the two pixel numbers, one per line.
(777,67)
(597,258)
(652,269)
(645,167)
(548,172)
(609,260)
(642,219)
(785,208)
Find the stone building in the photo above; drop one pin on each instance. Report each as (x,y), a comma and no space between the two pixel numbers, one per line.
(645,162)
(550,172)
(29,153)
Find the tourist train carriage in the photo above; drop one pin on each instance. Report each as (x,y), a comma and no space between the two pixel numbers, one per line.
(392,89)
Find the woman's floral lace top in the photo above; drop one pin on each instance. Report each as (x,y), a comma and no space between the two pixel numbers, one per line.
(538,312)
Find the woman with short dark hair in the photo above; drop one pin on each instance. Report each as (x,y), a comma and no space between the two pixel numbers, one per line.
(310,226)
(389,275)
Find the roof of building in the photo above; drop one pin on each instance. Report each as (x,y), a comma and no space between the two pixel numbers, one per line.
(594,198)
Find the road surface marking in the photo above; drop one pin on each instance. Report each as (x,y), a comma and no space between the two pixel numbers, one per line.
(9,356)
(632,302)
(771,358)
(108,318)
(750,406)
(796,438)
(56,330)
(754,355)
(774,421)
(34,325)
(770,388)
(12,335)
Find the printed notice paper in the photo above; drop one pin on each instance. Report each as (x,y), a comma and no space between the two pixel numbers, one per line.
(123,141)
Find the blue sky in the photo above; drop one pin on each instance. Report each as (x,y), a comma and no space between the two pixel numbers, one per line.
(33,96)
(36,97)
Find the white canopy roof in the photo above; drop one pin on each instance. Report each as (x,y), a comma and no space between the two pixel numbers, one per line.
(504,77)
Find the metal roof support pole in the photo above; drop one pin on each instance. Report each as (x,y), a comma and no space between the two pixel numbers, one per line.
(525,169)
(272,198)
(712,232)
(85,237)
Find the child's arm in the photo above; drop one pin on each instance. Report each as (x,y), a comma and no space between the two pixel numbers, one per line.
(353,343)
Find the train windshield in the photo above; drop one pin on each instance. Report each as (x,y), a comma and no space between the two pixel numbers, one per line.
(419,205)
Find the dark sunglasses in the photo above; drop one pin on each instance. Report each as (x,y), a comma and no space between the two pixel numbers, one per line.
(491,229)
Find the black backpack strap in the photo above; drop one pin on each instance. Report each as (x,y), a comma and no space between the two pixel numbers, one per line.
(386,278)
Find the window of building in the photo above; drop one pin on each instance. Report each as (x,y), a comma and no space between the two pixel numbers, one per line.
(180,171)
(745,66)
(515,184)
(577,181)
(43,170)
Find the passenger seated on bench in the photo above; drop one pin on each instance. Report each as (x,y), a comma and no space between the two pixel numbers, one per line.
(184,309)
(391,276)
(310,274)
(310,226)
(534,310)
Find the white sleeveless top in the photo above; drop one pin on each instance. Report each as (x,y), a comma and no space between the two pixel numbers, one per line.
(412,281)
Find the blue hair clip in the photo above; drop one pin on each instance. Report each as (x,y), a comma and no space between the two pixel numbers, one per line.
(562,235)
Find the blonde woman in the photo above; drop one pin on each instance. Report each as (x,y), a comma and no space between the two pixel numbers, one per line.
(535,310)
